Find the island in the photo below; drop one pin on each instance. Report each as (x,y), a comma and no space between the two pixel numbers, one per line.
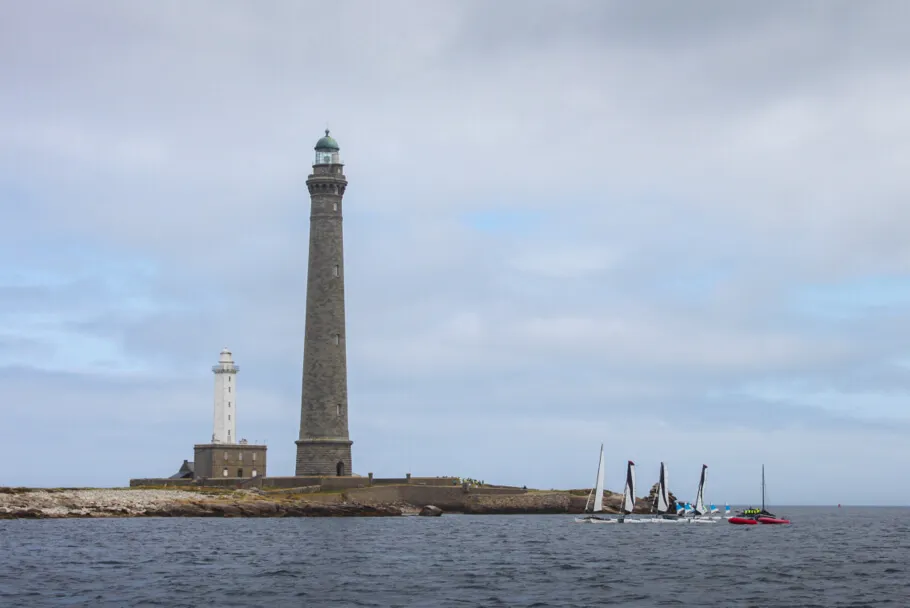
(310,501)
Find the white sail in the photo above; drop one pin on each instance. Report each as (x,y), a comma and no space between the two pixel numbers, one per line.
(663,497)
(628,494)
(700,497)
(599,485)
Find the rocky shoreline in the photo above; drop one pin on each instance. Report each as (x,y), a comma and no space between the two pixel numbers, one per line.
(33,503)
(20,503)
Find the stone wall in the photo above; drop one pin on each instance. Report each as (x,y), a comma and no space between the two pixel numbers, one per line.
(436,481)
(484,490)
(536,502)
(229,482)
(343,483)
(290,482)
(215,482)
(446,498)
(375,495)
(160,481)
(451,498)
(390,481)
(330,483)
(455,499)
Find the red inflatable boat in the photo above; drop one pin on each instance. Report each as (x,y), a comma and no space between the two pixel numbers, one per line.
(772,520)
(742,521)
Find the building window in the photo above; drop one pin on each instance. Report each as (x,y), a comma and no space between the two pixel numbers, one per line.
(337,339)
(254,473)
(224,472)
(229,416)
(239,472)
(229,389)
(254,456)
(334,206)
(229,404)
(336,272)
(240,456)
(338,410)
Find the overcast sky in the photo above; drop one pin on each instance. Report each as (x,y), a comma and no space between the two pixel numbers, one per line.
(680,229)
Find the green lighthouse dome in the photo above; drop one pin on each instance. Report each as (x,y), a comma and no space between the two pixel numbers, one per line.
(327,143)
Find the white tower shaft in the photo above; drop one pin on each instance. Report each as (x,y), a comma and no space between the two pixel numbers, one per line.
(225,427)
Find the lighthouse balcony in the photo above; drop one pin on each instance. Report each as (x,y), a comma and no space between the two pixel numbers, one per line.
(225,368)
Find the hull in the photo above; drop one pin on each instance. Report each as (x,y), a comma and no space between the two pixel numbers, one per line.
(742,521)
(772,520)
(659,520)
(663,520)
(597,520)
(593,520)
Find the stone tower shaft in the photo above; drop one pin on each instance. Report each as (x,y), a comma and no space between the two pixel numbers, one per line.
(323,447)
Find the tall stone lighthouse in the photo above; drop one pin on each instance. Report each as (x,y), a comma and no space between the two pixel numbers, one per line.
(324,447)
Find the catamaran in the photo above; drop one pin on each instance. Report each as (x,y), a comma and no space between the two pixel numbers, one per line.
(626,506)
(595,502)
(661,505)
(752,516)
(699,512)
(628,497)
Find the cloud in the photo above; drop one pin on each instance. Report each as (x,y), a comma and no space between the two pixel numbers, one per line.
(566,223)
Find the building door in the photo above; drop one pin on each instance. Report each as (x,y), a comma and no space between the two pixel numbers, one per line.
(339,469)
(239,472)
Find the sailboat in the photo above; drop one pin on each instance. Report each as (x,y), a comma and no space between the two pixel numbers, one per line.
(597,494)
(700,494)
(753,516)
(628,497)
(662,500)
(699,511)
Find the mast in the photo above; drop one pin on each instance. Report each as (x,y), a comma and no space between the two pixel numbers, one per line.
(762,487)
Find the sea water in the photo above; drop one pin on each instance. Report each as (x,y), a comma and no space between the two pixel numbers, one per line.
(827,557)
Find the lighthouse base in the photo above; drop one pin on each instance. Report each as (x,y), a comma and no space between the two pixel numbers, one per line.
(323,457)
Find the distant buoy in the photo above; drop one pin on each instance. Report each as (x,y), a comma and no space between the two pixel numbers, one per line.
(838,505)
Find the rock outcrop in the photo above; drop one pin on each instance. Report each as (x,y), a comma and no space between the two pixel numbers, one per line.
(430,511)
(38,504)
(652,497)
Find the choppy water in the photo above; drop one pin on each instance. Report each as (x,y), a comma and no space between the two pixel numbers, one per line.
(828,557)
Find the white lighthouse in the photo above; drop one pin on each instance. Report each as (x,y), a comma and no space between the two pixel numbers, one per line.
(225,429)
